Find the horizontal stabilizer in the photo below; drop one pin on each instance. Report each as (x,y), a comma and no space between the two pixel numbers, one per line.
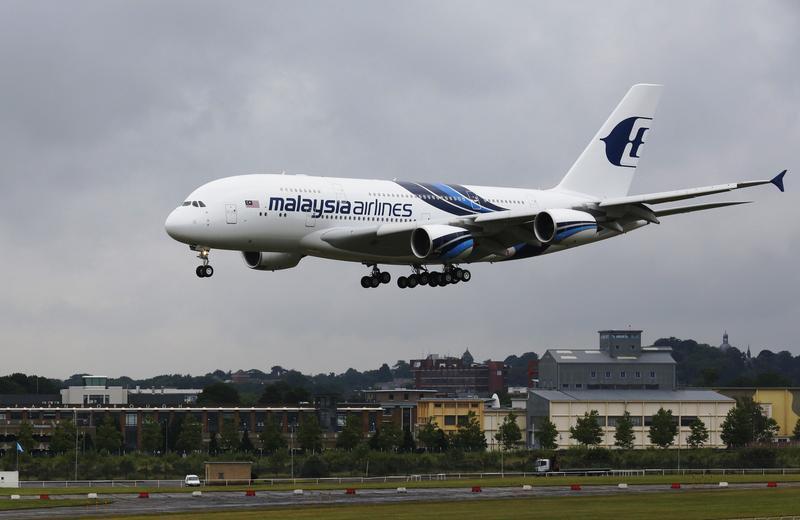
(698,207)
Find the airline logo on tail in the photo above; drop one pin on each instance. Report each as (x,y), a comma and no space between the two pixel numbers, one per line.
(617,141)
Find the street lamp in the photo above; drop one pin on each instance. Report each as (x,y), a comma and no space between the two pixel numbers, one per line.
(291,447)
(75,419)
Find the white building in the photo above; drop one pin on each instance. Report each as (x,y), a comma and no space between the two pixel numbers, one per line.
(564,409)
(94,392)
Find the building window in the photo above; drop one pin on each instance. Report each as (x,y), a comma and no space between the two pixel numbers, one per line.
(565,386)
(638,375)
(405,397)
(130,419)
(449,420)
(593,374)
(608,374)
(462,420)
(578,386)
(622,374)
(652,374)
(391,397)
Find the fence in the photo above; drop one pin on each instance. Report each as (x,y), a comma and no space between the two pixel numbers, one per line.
(404,478)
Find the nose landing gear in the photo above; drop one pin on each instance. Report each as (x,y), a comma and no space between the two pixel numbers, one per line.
(205,270)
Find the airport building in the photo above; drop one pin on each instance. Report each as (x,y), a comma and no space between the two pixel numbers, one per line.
(95,391)
(448,413)
(564,408)
(399,405)
(619,363)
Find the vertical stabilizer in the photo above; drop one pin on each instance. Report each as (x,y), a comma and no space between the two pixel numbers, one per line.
(606,167)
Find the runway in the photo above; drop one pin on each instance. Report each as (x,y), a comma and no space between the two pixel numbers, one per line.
(129,503)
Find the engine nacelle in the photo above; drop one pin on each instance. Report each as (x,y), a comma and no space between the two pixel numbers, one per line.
(270,261)
(555,226)
(441,242)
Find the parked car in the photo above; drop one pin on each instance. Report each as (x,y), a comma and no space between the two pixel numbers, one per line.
(191,481)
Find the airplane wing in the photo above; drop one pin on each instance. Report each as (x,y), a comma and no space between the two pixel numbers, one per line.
(672,196)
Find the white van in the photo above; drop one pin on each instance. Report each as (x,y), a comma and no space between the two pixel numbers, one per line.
(191,481)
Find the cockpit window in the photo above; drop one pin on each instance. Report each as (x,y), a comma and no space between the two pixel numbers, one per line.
(187,203)
(200,202)
(194,203)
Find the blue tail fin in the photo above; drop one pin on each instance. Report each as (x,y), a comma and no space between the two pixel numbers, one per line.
(778,180)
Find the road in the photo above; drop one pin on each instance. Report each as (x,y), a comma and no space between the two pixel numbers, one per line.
(158,503)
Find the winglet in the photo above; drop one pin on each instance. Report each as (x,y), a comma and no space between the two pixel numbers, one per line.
(778,180)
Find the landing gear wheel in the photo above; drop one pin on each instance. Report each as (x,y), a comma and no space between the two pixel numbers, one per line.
(386,277)
(366,282)
(208,271)
(424,278)
(433,282)
(447,276)
(412,281)
(374,281)
(402,282)
(458,273)
(435,279)
(200,271)
(466,275)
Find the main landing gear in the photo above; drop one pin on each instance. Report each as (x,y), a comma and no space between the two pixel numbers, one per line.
(376,278)
(205,270)
(450,275)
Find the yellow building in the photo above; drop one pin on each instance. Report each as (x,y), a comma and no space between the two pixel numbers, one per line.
(782,404)
(449,413)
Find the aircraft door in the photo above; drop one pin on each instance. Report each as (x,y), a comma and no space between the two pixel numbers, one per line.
(230,213)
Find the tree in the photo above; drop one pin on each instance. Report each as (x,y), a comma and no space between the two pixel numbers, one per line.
(309,434)
(746,423)
(699,434)
(271,438)
(246,445)
(427,435)
(663,429)
(108,438)
(218,394)
(509,435)
(352,433)
(229,436)
(282,393)
(587,430)
(25,436)
(547,435)
(469,436)
(623,435)
(387,438)
(151,435)
(408,445)
(63,438)
(213,445)
(796,431)
(190,438)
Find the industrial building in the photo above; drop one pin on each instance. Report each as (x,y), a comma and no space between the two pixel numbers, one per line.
(781,404)
(458,377)
(619,363)
(95,391)
(564,408)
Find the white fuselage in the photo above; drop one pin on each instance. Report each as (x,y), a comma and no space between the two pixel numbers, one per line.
(291,213)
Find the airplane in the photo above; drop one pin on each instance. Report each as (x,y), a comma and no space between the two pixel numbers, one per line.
(276,219)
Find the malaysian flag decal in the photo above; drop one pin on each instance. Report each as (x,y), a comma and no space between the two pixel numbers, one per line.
(251,203)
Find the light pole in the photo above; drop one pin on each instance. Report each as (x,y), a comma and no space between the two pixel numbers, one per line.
(75,419)
(291,447)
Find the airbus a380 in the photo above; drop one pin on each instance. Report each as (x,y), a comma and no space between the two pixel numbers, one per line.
(276,220)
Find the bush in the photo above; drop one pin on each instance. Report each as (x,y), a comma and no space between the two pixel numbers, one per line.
(314,467)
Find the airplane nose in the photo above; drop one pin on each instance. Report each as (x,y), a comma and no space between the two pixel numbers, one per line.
(178,226)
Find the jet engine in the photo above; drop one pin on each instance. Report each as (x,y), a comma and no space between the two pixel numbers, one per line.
(555,226)
(270,261)
(442,242)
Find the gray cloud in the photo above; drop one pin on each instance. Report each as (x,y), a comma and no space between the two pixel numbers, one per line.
(110,113)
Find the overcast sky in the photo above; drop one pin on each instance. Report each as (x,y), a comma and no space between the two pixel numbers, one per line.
(112,112)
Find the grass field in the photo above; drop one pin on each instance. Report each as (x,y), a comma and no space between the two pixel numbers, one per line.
(682,505)
(486,482)
(10,505)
